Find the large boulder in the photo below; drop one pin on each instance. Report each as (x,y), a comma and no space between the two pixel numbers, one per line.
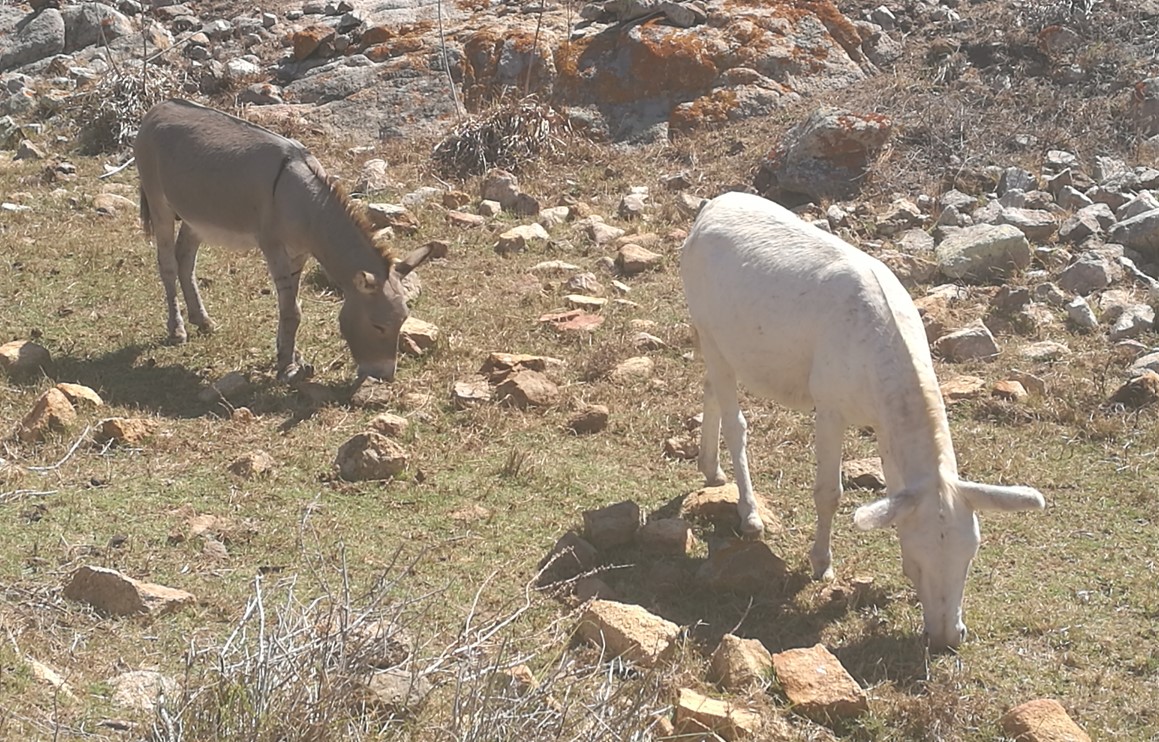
(29,38)
(92,23)
(982,252)
(825,156)
(1139,232)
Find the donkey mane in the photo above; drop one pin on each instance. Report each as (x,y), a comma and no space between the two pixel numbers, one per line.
(353,209)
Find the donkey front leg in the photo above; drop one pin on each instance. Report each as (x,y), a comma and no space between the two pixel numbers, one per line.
(286,271)
(187,245)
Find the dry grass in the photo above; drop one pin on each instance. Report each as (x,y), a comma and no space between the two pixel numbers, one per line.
(1060,604)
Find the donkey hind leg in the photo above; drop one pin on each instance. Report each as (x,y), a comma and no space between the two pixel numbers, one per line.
(723,381)
(829,428)
(164,223)
(286,270)
(187,244)
(709,459)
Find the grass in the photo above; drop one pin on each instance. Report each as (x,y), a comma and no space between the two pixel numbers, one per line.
(1060,604)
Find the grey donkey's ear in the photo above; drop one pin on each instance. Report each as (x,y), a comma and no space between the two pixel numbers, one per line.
(417,257)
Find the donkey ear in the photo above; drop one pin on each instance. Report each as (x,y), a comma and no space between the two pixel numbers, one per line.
(998,497)
(417,257)
(366,283)
(884,512)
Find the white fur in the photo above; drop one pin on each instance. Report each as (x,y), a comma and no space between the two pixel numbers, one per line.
(797,315)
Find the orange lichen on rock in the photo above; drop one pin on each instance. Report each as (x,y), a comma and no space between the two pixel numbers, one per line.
(713,108)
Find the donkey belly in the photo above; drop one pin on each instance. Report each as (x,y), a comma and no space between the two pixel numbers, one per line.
(223,236)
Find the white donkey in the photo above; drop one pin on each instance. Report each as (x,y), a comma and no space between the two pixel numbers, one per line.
(238,185)
(797,315)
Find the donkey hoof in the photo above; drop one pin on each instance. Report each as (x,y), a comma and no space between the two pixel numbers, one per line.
(295,373)
(177,337)
(716,480)
(206,326)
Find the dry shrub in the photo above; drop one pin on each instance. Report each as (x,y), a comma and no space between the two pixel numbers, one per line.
(108,114)
(507,136)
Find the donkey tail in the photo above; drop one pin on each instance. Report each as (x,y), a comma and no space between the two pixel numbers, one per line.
(146,219)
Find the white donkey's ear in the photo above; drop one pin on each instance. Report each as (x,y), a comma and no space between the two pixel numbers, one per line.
(884,512)
(997,497)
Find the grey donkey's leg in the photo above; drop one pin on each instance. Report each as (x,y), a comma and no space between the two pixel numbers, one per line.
(286,270)
(829,428)
(163,226)
(187,244)
(723,382)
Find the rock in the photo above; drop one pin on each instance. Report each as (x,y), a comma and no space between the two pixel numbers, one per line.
(79,394)
(717,505)
(1140,204)
(487,208)
(633,259)
(1015,178)
(1042,720)
(632,206)
(252,464)
(142,690)
(818,686)
(470,393)
(524,389)
(587,283)
(698,715)
(389,424)
(571,556)
(370,456)
(601,233)
(47,675)
(518,238)
(983,251)
(579,301)
(112,593)
(588,419)
(670,536)
(397,217)
(575,320)
(1144,362)
(553,268)
(1139,233)
(640,367)
(26,150)
(1044,351)
(959,388)
(499,366)
(109,204)
(502,186)
(374,176)
(23,357)
(307,41)
(1132,321)
(1081,314)
(916,242)
(1088,274)
(243,69)
(1035,224)
(86,24)
(231,386)
(417,336)
(614,525)
(744,567)
(1138,392)
(967,344)
(553,217)
(396,692)
(627,631)
(863,474)
(31,37)
(125,431)
(825,156)
(1009,390)
(369,394)
(738,664)
(465,220)
(52,413)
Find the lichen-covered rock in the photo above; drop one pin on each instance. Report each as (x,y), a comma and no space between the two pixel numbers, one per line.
(982,252)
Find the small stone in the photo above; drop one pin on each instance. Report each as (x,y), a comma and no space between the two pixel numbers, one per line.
(1138,392)
(488,208)
(647,341)
(1086,275)
(307,41)
(588,419)
(397,693)
(1009,390)
(451,199)
(463,219)
(470,393)
(525,389)
(682,448)
(389,424)
(738,663)
(374,176)
(26,150)
(369,394)
(252,464)
(632,206)
(397,217)
(1081,314)
(47,675)
(79,394)
(593,588)
(518,238)
(1033,385)
(52,413)
(21,357)
(142,690)
(571,556)
(640,367)
(863,474)
(613,525)
(553,268)
(717,505)
(499,366)
(1044,351)
(112,593)
(575,320)
(1041,720)
(417,336)
(967,344)
(370,456)
(633,259)
(553,217)
(700,717)
(743,567)
(670,536)
(959,388)
(228,387)
(580,301)
(525,205)
(587,283)
(1132,321)
(818,686)
(627,631)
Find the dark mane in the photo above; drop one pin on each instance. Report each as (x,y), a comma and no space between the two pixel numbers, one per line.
(353,209)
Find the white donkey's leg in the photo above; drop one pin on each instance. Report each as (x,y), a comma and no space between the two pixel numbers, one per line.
(286,270)
(187,245)
(826,489)
(709,459)
(723,382)
(163,224)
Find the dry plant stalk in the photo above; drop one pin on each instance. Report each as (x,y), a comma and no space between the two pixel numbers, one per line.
(508,137)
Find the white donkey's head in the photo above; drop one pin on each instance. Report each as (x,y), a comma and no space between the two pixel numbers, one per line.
(939,538)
